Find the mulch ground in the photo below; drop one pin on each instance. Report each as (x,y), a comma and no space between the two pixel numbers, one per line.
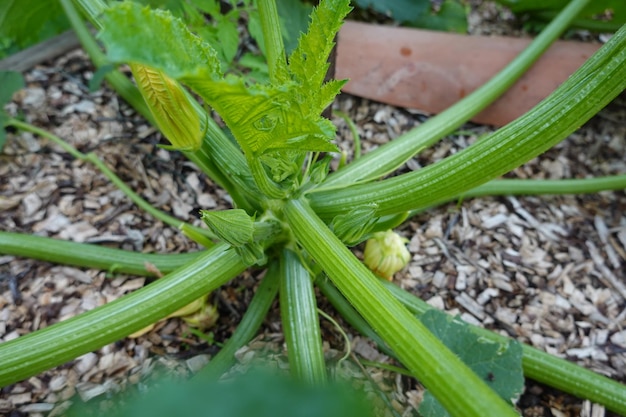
(549,271)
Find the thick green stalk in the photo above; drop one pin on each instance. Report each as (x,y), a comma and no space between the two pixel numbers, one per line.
(456,387)
(543,367)
(133,196)
(248,327)
(272,36)
(92,256)
(392,155)
(349,314)
(43,349)
(301,325)
(586,92)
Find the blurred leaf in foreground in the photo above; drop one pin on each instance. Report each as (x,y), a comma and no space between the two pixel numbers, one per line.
(258,394)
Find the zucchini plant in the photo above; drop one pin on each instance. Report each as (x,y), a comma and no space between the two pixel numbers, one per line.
(295,217)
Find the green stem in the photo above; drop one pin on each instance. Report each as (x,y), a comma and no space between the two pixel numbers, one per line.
(456,387)
(574,102)
(392,155)
(247,328)
(353,130)
(273,38)
(91,256)
(43,349)
(541,366)
(349,314)
(92,9)
(133,196)
(536,187)
(202,159)
(300,320)
(386,366)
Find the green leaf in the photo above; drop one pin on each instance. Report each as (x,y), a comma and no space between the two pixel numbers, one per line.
(26,22)
(320,169)
(229,38)
(500,365)
(354,227)
(211,7)
(258,394)
(402,10)
(606,15)
(451,17)
(98,77)
(294,18)
(233,226)
(264,118)
(10,82)
(309,64)
(156,38)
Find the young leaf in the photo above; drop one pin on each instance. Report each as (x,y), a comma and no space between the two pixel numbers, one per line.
(309,64)
(354,227)
(500,365)
(233,226)
(264,118)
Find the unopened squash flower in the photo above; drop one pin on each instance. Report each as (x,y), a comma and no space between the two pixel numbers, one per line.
(171,107)
(386,253)
(199,314)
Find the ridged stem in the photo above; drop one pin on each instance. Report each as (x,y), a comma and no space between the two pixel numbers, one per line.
(586,92)
(392,155)
(43,349)
(301,326)
(248,326)
(455,386)
(272,36)
(92,256)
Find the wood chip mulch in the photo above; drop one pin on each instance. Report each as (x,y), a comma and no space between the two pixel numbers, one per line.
(549,271)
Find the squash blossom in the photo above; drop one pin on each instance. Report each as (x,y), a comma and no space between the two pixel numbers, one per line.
(199,314)
(386,253)
(171,107)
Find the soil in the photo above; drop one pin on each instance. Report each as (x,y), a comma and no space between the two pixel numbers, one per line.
(549,271)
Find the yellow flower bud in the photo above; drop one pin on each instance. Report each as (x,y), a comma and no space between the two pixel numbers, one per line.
(204,318)
(199,313)
(171,107)
(386,253)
